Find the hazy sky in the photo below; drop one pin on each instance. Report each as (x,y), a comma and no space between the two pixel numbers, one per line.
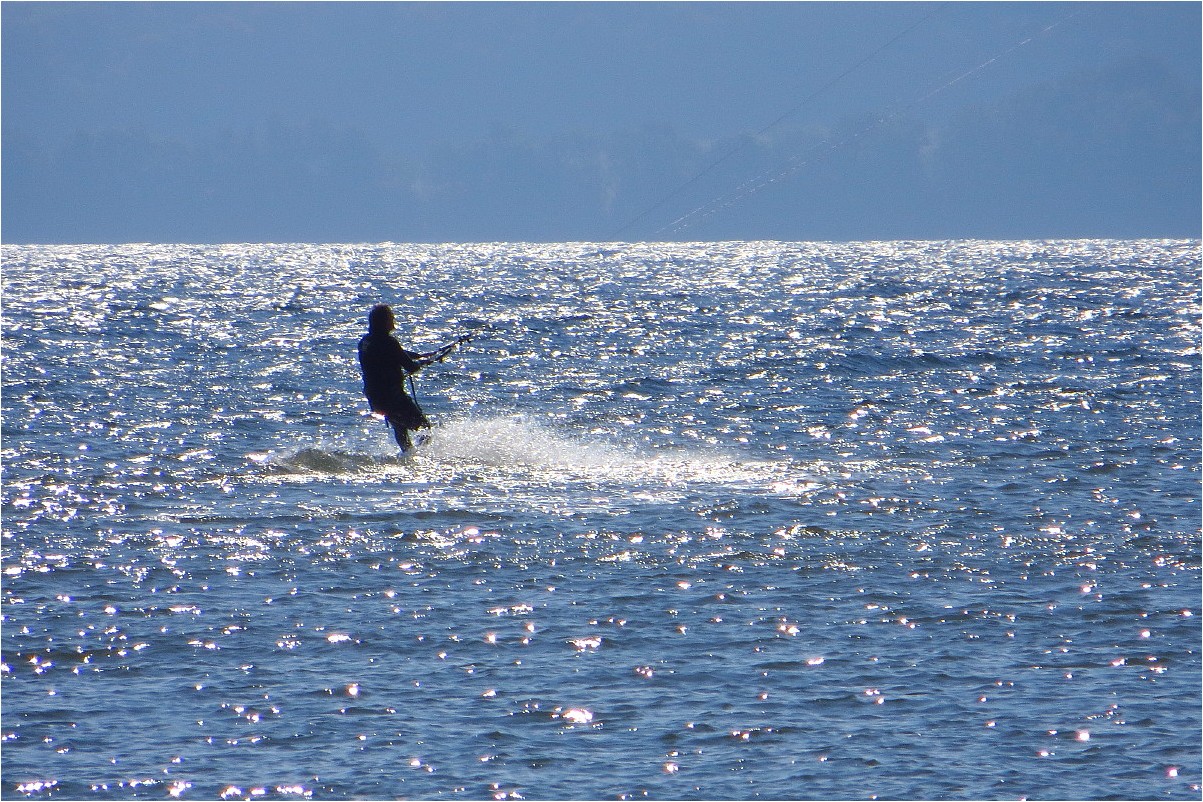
(593,121)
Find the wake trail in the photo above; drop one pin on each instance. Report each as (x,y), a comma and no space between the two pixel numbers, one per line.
(504,450)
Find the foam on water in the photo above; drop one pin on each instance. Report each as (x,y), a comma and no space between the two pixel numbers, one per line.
(516,443)
(501,450)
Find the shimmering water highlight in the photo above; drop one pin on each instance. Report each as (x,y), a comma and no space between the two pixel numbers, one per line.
(696,521)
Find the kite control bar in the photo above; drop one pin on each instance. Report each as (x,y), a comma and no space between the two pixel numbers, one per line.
(441,354)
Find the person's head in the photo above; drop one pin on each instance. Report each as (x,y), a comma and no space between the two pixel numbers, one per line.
(381,320)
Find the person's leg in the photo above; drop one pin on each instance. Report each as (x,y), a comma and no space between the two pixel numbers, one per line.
(406,418)
(400,434)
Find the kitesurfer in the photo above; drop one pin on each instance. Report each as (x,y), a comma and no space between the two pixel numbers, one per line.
(386,365)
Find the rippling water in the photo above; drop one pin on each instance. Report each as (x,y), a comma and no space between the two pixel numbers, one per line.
(699,521)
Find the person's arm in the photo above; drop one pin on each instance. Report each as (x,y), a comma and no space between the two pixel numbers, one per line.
(412,362)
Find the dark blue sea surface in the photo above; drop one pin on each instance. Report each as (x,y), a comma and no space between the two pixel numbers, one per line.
(910,520)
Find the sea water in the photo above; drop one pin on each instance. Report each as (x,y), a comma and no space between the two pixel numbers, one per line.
(695,521)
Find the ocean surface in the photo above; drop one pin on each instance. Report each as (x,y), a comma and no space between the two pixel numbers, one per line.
(909,520)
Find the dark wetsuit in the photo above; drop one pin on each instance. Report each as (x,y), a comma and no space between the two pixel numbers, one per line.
(385,365)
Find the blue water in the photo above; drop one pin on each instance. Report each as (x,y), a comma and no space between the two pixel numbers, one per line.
(697,521)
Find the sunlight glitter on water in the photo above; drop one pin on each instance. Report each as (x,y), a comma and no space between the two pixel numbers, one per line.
(725,518)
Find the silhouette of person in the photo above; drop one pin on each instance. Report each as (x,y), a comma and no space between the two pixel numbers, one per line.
(385,365)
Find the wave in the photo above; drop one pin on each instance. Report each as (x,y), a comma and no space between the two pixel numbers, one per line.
(321,460)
